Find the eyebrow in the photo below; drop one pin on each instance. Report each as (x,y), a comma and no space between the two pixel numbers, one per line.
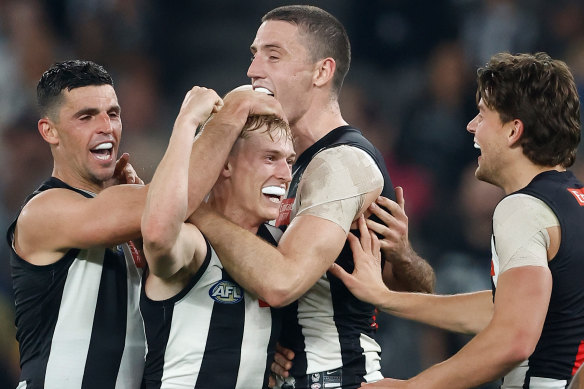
(268,46)
(94,111)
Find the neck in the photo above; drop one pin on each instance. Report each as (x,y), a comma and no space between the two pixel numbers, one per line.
(78,182)
(220,204)
(521,176)
(315,124)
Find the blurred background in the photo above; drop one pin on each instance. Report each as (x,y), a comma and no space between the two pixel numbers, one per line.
(410,89)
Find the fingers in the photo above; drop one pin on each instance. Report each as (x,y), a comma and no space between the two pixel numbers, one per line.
(375,245)
(121,164)
(339,272)
(399,195)
(286,352)
(365,237)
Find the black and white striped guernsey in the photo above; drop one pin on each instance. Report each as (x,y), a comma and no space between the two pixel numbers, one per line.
(332,332)
(78,320)
(560,349)
(212,334)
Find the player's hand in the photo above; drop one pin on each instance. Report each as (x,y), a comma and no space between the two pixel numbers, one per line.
(281,365)
(243,101)
(198,104)
(124,173)
(395,243)
(387,383)
(366,281)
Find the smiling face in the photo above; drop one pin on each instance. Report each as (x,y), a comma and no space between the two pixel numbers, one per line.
(85,135)
(489,137)
(281,63)
(257,173)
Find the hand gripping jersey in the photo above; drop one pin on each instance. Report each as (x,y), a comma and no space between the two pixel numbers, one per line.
(330,330)
(78,320)
(560,349)
(212,334)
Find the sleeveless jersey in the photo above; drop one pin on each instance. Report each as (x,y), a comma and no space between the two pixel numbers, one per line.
(78,320)
(212,334)
(330,330)
(560,349)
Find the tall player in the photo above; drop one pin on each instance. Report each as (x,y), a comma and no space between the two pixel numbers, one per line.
(301,54)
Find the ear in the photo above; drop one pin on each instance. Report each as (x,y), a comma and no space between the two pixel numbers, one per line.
(227,169)
(515,132)
(48,131)
(324,71)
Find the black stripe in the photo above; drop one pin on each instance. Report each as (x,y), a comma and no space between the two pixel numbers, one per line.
(158,315)
(220,365)
(109,325)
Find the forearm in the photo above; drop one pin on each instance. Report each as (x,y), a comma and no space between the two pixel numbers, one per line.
(463,313)
(166,205)
(211,149)
(253,263)
(487,357)
(411,274)
(278,276)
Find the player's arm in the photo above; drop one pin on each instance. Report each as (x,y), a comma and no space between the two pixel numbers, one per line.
(464,313)
(404,269)
(521,304)
(169,243)
(58,219)
(312,241)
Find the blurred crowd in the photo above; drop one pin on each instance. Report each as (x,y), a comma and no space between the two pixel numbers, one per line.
(411,89)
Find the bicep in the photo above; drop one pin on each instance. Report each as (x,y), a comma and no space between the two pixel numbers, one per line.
(188,250)
(313,243)
(59,219)
(521,301)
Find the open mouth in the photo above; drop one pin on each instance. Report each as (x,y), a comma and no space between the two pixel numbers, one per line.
(103,151)
(274,193)
(264,90)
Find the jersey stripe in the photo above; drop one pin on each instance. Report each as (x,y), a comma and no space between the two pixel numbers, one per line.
(222,368)
(104,371)
(73,329)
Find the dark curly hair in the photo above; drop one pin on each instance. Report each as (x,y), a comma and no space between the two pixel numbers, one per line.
(541,92)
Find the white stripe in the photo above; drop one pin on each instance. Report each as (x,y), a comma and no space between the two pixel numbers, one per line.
(371,352)
(254,345)
(315,316)
(132,363)
(188,333)
(546,383)
(72,335)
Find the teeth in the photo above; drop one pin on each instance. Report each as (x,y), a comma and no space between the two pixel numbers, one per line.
(476,146)
(274,190)
(264,90)
(104,146)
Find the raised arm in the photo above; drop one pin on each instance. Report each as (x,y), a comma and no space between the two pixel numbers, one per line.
(169,243)
(404,269)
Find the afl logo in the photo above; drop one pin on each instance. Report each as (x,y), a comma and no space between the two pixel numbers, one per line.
(226,292)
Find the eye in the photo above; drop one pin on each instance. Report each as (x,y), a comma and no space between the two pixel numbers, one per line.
(114,115)
(84,118)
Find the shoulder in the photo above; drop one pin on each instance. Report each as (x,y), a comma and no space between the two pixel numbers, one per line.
(525,207)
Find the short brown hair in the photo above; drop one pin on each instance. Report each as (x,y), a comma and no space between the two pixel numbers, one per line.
(326,36)
(541,92)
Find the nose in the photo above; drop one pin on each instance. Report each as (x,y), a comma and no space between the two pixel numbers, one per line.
(283,171)
(472,125)
(105,123)
(255,69)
